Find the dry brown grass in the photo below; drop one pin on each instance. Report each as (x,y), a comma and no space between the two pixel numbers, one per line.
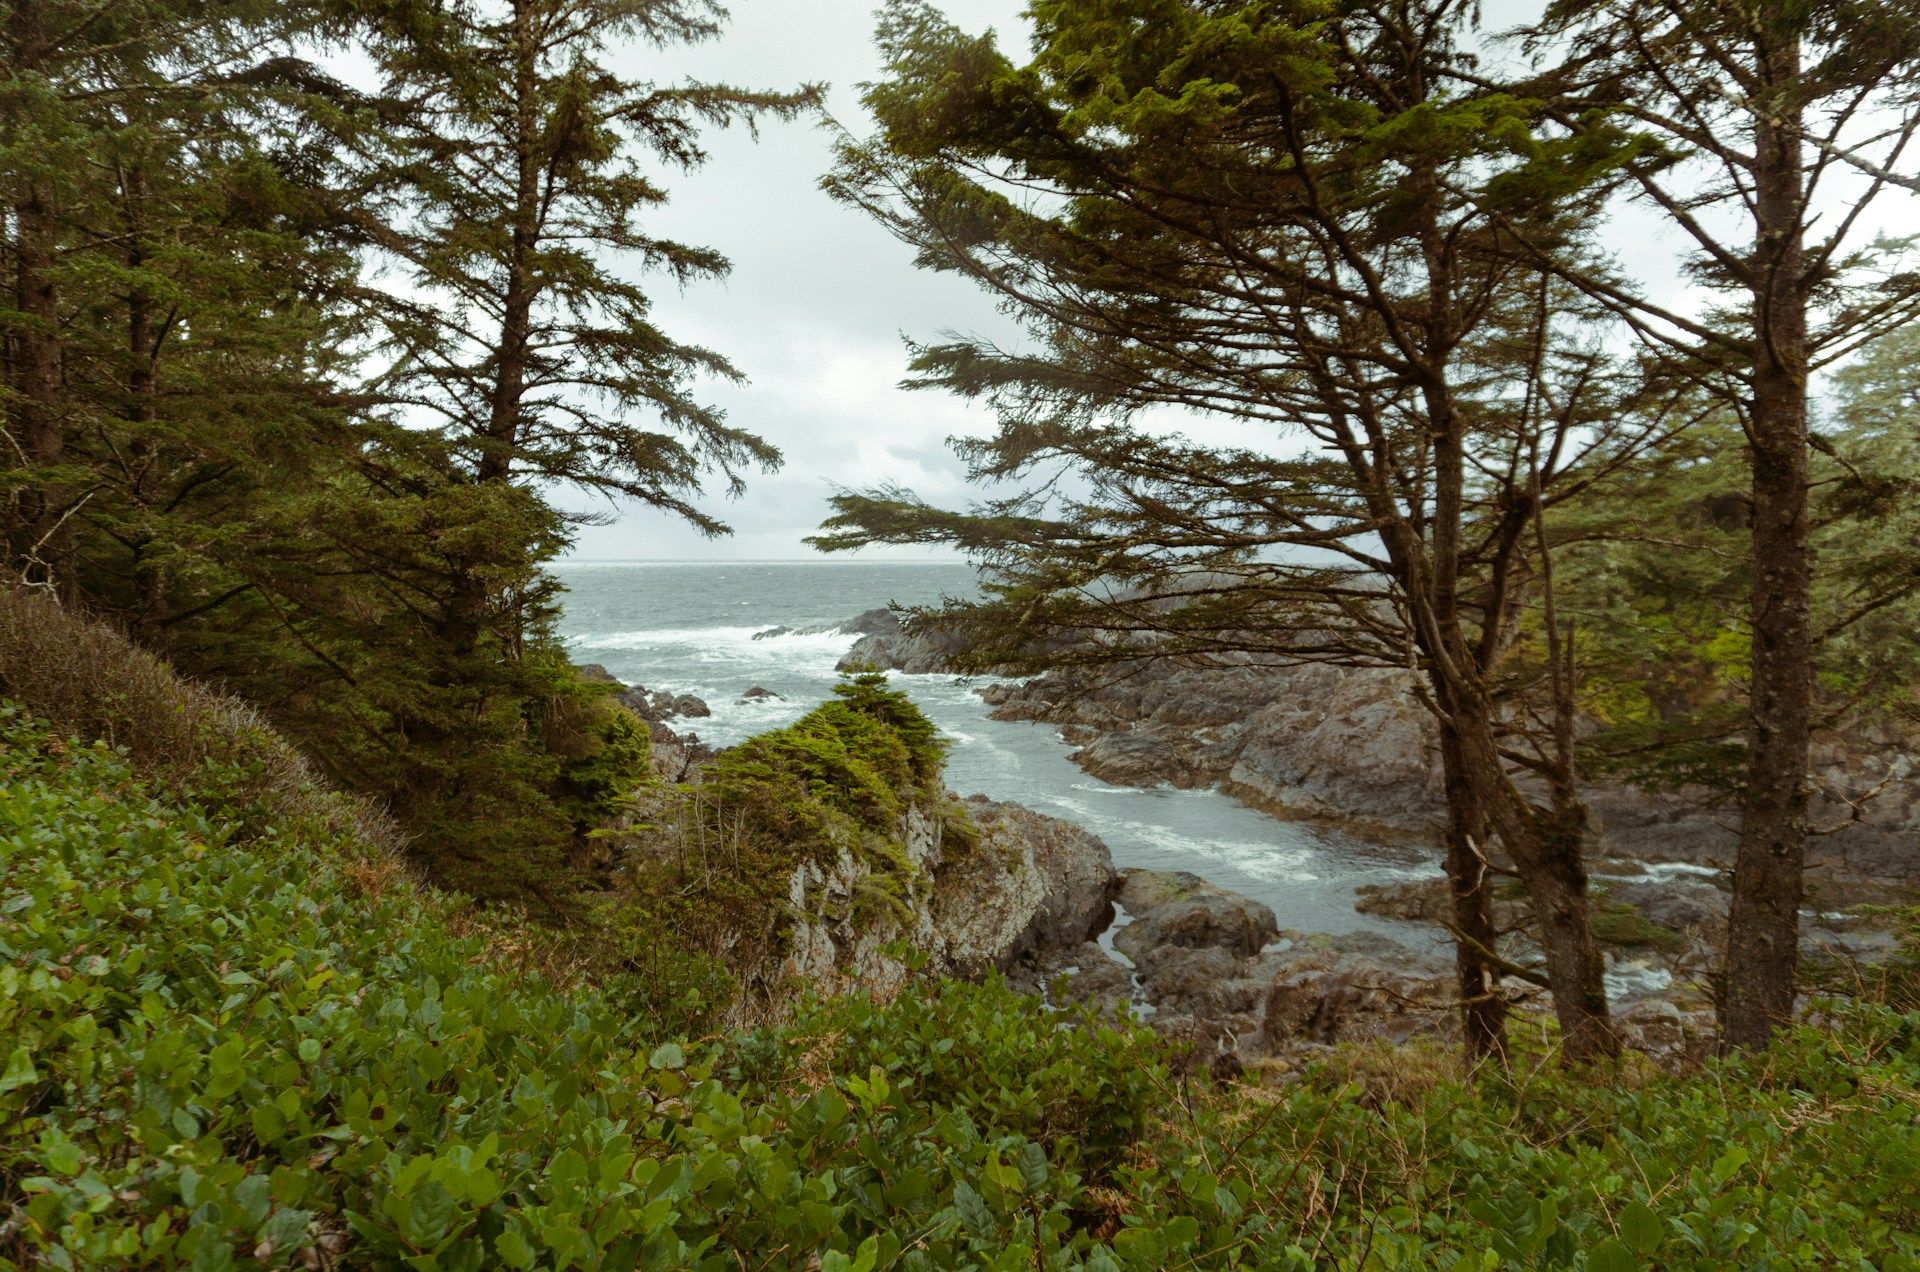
(84,677)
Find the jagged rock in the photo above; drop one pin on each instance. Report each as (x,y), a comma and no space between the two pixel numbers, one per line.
(1076,866)
(655,706)
(772,632)
(1667,1033)
(670,706)
(1355,746)
(1032,887)
(873,622)
(757,693)
(1200,1045)
(1199,982)
(915,653)
(1136,758)
(1323,990)
(986,905)
(1691,904)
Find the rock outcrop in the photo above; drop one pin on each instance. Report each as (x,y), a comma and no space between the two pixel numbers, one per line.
(1206,968)
(884,643)
(967,912)
(1077,904)
(677,757)
(1029,887)
(1354,746)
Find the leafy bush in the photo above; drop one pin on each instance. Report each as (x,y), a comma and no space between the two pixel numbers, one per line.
(235,1037)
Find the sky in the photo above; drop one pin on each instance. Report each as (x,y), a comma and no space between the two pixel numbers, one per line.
(820,297)
(818,300)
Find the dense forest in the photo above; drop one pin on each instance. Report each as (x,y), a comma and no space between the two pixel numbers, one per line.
(346,922)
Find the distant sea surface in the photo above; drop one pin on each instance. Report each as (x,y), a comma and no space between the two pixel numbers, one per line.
(690,628)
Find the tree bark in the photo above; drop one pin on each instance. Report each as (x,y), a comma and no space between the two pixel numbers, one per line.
(40,547)
(1763,927)
(1483,1011)
(1547,847)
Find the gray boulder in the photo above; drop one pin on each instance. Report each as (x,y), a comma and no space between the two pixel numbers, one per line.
(1182,909)
(1075,867)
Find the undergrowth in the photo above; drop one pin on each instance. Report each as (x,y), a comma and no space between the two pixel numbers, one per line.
(244,1039)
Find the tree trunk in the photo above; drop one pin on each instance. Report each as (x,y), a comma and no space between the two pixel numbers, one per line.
(498,434)
(1547,848)
(142,386)
(1483,1011)
(40,547)
(1763,926)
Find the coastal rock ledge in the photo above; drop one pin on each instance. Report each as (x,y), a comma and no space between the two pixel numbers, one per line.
(1029,887)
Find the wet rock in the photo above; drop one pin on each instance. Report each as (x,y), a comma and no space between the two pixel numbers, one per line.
(1198,982)
(1355,746)
(757,694)
(671,706)
(922,651)
(1136,758)
(874,622)
(1328,990)
(1684,903)
(1079,975)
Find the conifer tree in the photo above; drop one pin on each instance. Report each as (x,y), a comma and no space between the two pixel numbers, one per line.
(1765,114)
(501,203)
(1280,218)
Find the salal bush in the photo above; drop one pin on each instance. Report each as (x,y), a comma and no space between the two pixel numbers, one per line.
(230,1037)
(227,1049)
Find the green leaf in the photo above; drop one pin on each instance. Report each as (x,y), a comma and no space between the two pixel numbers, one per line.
(1611,1256)
(513,1250)
(667,1056)
(1642,1228)
(62,1157)
(972,1209)
(20,1070)
(1729,1164)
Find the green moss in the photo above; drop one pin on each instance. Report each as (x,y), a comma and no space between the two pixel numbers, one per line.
(1616,923)
(718,865)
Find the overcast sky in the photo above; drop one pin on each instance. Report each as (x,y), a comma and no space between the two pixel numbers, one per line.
(818,300)
(820,296)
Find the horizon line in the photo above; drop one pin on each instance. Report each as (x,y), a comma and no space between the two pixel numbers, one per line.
(758,561)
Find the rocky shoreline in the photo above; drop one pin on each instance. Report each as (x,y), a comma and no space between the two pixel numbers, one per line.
(1353,747)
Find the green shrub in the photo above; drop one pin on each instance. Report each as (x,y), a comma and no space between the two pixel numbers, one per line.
(714,862)
(234,1037)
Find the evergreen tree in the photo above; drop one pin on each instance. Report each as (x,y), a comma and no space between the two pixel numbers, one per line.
(1763,112)
(501,203)
(1286,219)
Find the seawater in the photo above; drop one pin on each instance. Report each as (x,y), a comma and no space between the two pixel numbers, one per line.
(690,628)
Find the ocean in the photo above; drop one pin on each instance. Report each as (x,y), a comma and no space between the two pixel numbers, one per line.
(690,628)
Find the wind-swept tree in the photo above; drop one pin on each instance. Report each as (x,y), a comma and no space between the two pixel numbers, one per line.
(1296,222)
(1782,127)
